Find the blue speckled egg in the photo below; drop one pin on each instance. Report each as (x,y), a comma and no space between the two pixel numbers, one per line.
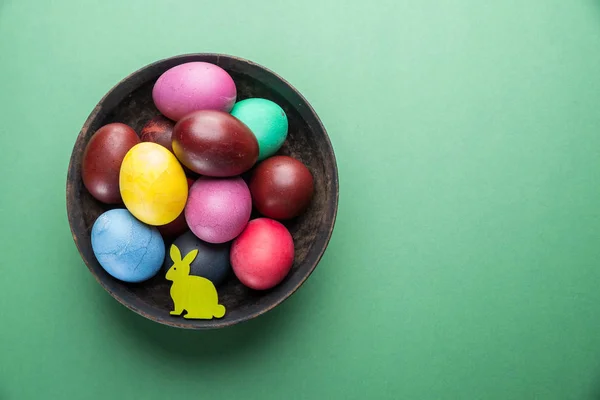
(126,248)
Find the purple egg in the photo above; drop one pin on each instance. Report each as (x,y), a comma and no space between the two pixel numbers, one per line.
(218,209)
(191,87)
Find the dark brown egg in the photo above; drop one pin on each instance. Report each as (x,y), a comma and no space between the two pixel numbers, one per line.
(281,187)
(158,130)
(214,143)
(102,160)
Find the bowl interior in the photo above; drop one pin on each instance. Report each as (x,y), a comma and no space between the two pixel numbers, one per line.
(130,102)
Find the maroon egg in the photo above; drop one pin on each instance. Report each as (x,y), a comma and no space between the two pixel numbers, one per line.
(214,143)
(281,187)
(102,160)
(179,225)
(158,130)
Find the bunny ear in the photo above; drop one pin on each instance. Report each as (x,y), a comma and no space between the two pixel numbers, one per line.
(189,257)
(175,254)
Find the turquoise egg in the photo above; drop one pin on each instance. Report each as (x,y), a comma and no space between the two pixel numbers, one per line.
(126,248)
(266,120)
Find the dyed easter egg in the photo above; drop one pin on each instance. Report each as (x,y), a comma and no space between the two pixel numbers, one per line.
(178,225)
(266,120)
(213,143)
(102,160)
(153,185)
(218,209)
(191,87)
(263,254)
(158,130)
(281,187)
(212,261)
(126,248)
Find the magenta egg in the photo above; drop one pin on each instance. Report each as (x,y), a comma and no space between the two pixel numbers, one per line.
(192,87)
(218,209)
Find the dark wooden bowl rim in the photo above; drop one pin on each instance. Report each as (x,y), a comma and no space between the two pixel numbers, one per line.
(216,323)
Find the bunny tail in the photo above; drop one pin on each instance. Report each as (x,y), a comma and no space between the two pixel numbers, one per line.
(219,311)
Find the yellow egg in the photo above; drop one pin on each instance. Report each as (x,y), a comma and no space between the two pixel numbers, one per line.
(152,184)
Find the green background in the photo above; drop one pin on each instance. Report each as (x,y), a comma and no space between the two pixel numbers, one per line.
(465,259)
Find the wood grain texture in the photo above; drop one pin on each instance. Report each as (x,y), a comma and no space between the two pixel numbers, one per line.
(130,102)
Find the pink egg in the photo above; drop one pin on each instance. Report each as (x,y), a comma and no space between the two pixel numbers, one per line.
(191,87)
(217,210)
(263,254)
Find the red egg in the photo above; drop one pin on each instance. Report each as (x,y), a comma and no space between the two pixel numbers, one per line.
(102,160)
(214,143)
(263,254)
(158,130)
(281,187)
(179,225)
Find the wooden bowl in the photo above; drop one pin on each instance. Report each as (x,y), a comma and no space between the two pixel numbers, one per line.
(130,102)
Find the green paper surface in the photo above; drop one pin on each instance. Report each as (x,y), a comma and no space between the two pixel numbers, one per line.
(465,263)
